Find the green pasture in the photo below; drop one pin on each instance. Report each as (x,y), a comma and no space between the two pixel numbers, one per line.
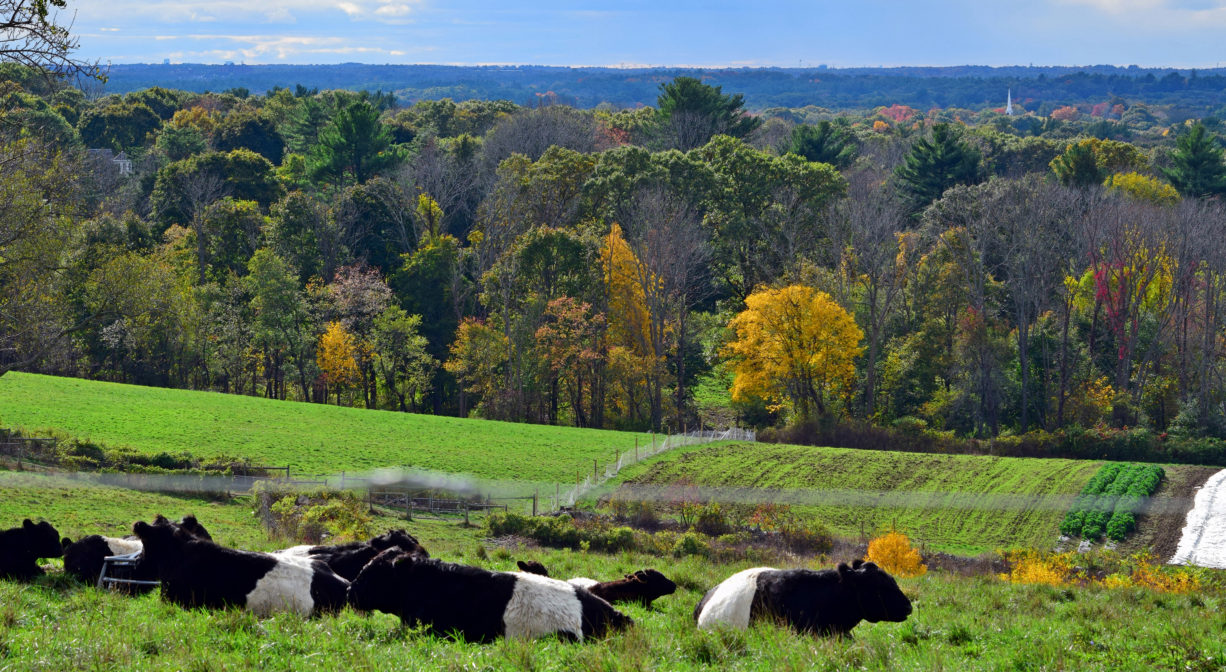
(77,507)
(312,439)
(958,623)
(955,503)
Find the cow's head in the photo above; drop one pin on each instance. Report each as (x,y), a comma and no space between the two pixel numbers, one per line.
(84,558)
(378,586)
(164,543)
(400,539)
(876,592)
(653,583)
(42,541)
(190,525)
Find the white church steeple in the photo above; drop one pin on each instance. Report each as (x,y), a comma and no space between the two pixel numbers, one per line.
(1009,103)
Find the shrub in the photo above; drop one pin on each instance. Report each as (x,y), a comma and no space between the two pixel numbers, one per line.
(311,518)
(691,543)
(1030,566)
(893,553)
(1146,573)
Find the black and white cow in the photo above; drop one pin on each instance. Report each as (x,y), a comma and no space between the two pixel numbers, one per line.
(829,601)
(199,573)
(643,586)
(479,605)
(83,559)
(21,547)
(349,559)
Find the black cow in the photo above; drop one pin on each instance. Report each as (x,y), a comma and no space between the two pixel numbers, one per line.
(21,547)
(199,573)
(828,602)
(479,605)
(83,559)
(643,586)
(349,559)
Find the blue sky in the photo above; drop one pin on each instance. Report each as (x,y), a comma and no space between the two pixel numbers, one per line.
(1175,33)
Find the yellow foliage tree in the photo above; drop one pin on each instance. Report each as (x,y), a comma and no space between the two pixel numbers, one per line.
(629,319)
(1143,188)
(893,553)
(337,358)
(793,345)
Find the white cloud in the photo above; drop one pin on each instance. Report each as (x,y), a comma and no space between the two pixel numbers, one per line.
(265,11)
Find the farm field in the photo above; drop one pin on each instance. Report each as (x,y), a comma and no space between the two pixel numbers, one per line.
(312,439)
(963,504)
(964,623)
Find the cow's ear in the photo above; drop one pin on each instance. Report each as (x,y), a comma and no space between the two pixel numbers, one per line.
(870,567)
(844,571)
(28,524)
(522,566)
(856,563)
(65,543)
(140,528)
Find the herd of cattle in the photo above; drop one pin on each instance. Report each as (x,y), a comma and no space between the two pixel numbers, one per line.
(392,573)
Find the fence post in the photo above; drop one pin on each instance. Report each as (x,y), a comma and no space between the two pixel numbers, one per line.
(408,505)
(557,492)
(594,476)
(636,449)
(342,480)
(534,496)
(466,514)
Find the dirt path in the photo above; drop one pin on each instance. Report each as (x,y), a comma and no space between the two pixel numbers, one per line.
(1203,541)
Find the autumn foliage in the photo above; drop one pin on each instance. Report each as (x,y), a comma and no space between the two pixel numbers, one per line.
(893,553)
(337,358)
(794,346)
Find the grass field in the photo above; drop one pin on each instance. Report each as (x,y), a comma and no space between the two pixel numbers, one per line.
(959,623)
(312,439)
(77,508)
(954,503)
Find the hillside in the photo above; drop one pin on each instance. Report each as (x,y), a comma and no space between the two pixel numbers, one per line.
(312,439)
(955,503)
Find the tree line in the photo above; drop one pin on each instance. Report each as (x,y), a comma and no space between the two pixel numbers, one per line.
(961,270)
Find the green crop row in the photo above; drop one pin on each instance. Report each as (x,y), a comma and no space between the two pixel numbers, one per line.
(1143,484)
(1109,502)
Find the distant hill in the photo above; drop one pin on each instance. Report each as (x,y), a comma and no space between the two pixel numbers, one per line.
(921,87)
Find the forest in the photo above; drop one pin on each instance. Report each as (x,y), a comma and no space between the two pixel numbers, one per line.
(1043,89)
(959,273)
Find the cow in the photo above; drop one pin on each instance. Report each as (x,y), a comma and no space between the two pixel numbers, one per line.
(21,547)
(349,559)
(643,586)
(478,605)
(83,559)
(827,602)
(198,573)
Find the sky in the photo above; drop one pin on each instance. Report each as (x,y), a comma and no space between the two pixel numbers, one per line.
(786,33)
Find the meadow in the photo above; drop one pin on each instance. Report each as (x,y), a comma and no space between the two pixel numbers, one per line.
(963,623)
(312,439)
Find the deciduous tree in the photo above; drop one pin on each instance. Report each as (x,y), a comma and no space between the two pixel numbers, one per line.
(796,346)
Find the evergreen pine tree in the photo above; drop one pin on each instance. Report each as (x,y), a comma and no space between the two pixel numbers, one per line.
(936,164)
(1196,164)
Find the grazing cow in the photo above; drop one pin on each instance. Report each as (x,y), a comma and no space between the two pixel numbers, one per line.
(21,547)
(479,605)
(349,559)
(199,573)
(83,559)
(643,586)
(828,602)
